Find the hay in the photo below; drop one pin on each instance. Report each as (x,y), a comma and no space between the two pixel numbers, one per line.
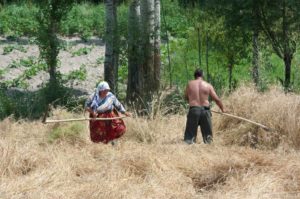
(151,161)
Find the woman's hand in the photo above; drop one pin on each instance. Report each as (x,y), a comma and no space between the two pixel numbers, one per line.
(94,114)
(127,114)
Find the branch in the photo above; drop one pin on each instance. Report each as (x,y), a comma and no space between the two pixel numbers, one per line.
(271,35)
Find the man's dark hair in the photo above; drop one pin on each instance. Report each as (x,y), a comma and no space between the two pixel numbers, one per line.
(198,73)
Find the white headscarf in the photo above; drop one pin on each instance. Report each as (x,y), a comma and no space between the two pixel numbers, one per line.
(102,86)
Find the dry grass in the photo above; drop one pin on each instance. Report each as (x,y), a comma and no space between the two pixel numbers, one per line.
(151,161)
(275,109)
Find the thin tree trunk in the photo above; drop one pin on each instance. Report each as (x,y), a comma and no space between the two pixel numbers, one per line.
(51,58)
(288,55)
(207,66)
(199,47)
(230,77)
(133,51)
(157,62)
(168,47)
(255,45)
(111,47)
(255,57)
(288,63)
(148,34)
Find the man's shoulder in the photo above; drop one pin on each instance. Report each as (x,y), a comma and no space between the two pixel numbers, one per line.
(206,83)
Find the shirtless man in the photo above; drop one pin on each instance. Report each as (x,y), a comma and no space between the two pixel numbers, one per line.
(197,93)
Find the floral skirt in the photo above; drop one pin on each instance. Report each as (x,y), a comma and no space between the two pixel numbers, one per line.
(106,130)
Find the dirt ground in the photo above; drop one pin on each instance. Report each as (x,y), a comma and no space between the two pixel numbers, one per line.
(69,61)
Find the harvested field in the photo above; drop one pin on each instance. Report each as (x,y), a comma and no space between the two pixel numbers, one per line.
(151,161)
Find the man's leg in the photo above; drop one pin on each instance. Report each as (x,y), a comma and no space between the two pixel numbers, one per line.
(206,126)
(190,133)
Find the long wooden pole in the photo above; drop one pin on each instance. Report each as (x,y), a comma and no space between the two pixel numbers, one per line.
(244,119)
(83,119)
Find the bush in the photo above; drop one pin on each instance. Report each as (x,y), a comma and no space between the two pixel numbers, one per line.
(18,20)
(85,20)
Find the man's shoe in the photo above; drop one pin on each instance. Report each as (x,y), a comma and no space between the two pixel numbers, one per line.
(189,142)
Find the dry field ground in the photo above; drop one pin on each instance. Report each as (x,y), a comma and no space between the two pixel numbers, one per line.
(74,54)
(151,161)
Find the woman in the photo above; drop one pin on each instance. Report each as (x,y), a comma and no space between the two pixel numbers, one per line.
(104,104)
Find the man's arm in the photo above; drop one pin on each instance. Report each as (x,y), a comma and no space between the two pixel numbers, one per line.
(215,97)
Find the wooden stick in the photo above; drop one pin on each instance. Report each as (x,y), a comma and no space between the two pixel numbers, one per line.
(244,119)
(83,119)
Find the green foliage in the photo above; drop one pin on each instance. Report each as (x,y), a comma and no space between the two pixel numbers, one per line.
(175,20)
(6,106)
(122,13)
(100,60)
(82,19)
(80,74)
(69,132)
(10,48)
(85,20)
(2,72)
(33,67)
(21,104)
(18,20)
(29,62)
(65,45)
(82,51)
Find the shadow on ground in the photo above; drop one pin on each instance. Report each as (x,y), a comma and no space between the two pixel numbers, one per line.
(32,105)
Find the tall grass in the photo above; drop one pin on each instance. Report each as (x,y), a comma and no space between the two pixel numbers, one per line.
(150,160)
(278,110)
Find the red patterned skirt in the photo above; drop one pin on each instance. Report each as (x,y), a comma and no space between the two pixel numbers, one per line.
(106,130)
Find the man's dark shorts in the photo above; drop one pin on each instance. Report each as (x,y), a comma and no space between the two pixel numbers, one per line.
(198,115)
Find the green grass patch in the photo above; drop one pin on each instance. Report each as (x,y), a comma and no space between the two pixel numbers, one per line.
(69,132)
(82,51)
(8,49)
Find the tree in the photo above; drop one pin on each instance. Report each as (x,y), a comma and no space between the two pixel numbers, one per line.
(49,17)
(111,44)
(144,56)
(150,42)
(280,23)
(231,45)
(278,20)
(244,15)
(134,50)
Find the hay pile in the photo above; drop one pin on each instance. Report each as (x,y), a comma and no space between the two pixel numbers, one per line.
(275,109)
(151,161)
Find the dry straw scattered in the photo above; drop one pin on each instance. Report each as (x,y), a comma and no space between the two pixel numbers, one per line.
(151,161)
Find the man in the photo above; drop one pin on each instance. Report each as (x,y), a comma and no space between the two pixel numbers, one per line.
(103,104)
(197,93)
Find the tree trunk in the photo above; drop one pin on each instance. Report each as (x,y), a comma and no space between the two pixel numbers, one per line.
(111,44)
(199,47)
(207,66)
(288,50)
(255,44)
(168,46)
(53,53)
(148,84)
(230,77)
(157,62)
(255,57)
(133,52)
(287,63)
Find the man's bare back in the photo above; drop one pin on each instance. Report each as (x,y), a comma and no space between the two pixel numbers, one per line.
(198,91)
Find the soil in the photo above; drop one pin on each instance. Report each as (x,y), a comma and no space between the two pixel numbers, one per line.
(68,61)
